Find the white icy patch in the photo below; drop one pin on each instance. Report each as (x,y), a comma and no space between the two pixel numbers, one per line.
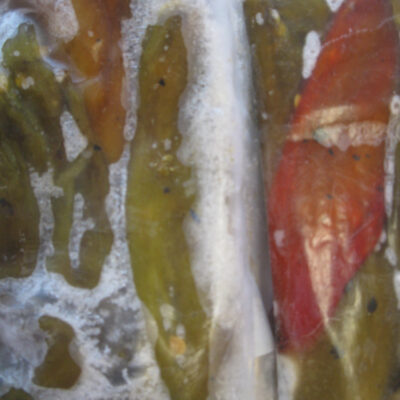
(21,350)
(325,126)
(259,19)
(275,14)
(44,189)
(381,241)
(334,5)
(279,237)
(392,140)
(311,50)
(396,284)
(61,17)
(74,141)
(79,227)
(9,23)
(168,315)
(286,377)
(27,82)
(391,256)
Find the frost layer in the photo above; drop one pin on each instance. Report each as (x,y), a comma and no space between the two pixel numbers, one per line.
(226,236)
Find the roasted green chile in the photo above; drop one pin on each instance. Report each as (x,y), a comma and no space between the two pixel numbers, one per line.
(158,202)
(32,100)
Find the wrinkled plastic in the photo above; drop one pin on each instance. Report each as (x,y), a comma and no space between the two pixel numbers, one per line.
(327,81)
(132,238)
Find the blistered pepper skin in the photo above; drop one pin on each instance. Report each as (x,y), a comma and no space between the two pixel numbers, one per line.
(326,203)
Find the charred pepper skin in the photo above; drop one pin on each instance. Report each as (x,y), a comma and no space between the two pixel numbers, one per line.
(326,203)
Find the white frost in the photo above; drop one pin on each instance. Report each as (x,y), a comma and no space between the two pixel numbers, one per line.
(9,23)
(61,17)
(279,236)
(392,140)
(391,256)
(74,141)
(311,50)
(334,5)
(27,82)
(286,377)
(79,227)
(259,19)
(395,105)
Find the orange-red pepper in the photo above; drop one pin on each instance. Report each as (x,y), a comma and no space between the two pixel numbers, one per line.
(326,203)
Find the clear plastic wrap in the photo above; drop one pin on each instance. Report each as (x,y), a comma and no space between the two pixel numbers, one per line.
(133,225)
(327,75)
(140,213)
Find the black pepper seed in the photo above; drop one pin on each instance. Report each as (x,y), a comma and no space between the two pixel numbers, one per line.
(329,196)
(379,188)
(348,287)
(395,381)
(372,305)
(59,154)
(356,157)
(167,190)
(6,207)
(306,140)
(161,82)
(368,155)
(331,152)
(96,147)
(335,353)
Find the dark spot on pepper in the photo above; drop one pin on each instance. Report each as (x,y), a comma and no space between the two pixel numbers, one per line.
(59,154)
(167,190)
(116,377)
(372,305)
(379,188)
(6,207)
(348,286)
(331,152)
(306,140)
(97,147)
(161,82)
(194,216)
(356,157)
(329,196)
(395,381)
(334,352)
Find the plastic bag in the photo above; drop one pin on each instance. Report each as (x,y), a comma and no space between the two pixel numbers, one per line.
(327,80)
(133,204)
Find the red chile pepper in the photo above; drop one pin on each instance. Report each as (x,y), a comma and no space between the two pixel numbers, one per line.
(326,204)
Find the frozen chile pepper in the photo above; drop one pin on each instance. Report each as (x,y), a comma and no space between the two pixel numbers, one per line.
(326,203)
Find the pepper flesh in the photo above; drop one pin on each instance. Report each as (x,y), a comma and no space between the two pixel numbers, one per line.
(326,205)
(160,197)
(95,52)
